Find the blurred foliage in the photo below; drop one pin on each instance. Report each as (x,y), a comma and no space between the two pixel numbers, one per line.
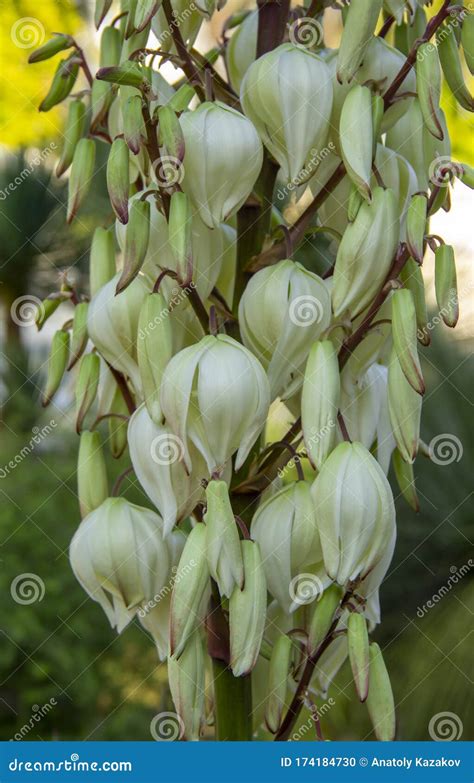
(25,25)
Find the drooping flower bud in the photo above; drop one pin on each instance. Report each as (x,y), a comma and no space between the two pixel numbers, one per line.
(405,339)
(356,137)
(92,484)
(380,702)
(118,555)
(137,236)
(186,677)
(157,455)
(57,364)
(323,617)
(127,74)
(216,394)
(286,529)
(134,130)
(113,323)
(358,643)
(63,83)
(247,612)
(102,259)
(117,440)
(222,540)
(428,87)
(446,285)
(404,405)
(416,226)
(180,236)
(171,140)
(365,253)
(118,182)
(80,180)
(102,93)
(451,64)
(222,160)
(86,386)
(189,24)
(191,593)
(277,687)
(283,310)
(101,10)
(241,49)
(79,333)
(405,479)
(359,28)
(412,279)
(287,93)
(320,400)
(154,350)
(144,12)
(467,40)
(355,512)
(73,132)
(57,44)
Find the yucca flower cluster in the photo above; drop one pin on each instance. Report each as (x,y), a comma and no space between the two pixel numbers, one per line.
(204,317)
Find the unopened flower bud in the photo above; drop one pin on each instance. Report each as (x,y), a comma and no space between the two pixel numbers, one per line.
(79,333)
(82,172)
(358,643)
(157,455)
(117,440)
(171,133)
(277,688)
(359,28)
(380,702)
(120,558)
(218,184)
(446,285)
(57,364)
(283,310)
(189,24)
(405,410)
(180,235)
(73,132)
(102,93)
(405,479)
(416,226)
(356,136)
(412,279)
(127,74)
(57,44)
(286,529)
(154,350)
(405,337)
(102,259)
(320,401)
(186,677)
(450,59)
(118,178)
(218,380)
(45,310)
(101,9)
(134,130)
(86,386)
(222,540)
(137,236)
(355,512)
(365,253)
(63,83)
(92,484)
(247,612)
(323,617)
(113,324)
(144,12)
(241,49)
(287,93)
(191,593)
(428,87)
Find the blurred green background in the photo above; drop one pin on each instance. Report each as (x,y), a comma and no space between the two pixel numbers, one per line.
(60,650)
